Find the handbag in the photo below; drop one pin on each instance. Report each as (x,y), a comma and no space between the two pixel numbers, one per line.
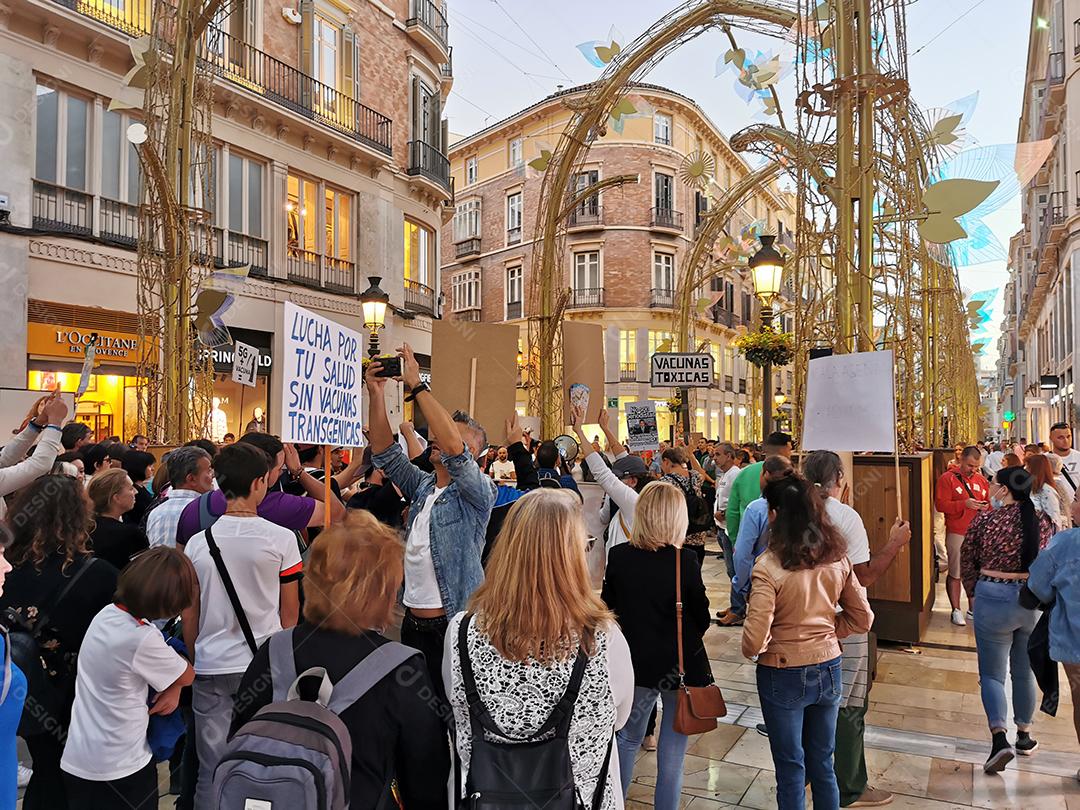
(696,707)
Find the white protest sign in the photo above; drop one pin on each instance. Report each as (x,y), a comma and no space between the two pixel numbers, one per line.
(321,381)
(641,430)
(245,361)
(681,370)
(851,403)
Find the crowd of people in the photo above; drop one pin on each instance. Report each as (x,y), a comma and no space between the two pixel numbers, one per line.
(445,643)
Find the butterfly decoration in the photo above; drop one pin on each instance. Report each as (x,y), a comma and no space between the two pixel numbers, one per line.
(626,108)
(697,169)
(947,200)
(138,78)
(541,163)
(756,75)
(947,135)
(599,53)
(978,309)
(216,296)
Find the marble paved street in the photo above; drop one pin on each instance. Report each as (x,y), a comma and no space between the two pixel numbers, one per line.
(926,734)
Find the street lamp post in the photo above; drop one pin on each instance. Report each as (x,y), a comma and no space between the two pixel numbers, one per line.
(767,266)
(374,301)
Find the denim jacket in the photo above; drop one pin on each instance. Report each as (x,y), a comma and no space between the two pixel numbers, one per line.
(1055,577)
(751,543)
(459,518)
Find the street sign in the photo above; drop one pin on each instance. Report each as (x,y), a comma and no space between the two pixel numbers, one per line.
(681,370)
(613,402)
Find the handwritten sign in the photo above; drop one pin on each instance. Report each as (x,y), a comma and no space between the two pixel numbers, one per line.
(680,370)
(641,430)
(851,403)
(321,381)
(245,361)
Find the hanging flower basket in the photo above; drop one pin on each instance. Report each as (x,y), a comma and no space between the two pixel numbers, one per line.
(674,403)
(759,348)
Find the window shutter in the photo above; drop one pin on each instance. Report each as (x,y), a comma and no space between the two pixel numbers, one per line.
(417,110)
(250,11)
(348,62)
(307,37)
(436,122)
(444,135)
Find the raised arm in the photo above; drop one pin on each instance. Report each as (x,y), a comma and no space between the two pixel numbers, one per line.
(524,469)
(412,441)
(614,445)
(899,536)
(379,433)
(314,488)
(24,470)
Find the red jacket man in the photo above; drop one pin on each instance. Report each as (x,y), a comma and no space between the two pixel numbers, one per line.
(961,493)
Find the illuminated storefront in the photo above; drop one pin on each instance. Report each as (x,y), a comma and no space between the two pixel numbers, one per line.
(56,339)
(237,407)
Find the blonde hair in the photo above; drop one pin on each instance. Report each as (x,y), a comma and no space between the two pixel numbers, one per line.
(352,575)
(104,486)
(660,517)
(537,601)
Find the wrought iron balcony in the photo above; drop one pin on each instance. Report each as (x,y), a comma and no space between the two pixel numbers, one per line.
(586,298)
(513,310)
(428,17)
(472,315)
(131,16)
(627,372)
(586,216)
(340,275)
(661,297)
(427,161)
(470,247)
(513,235)
(61,209)
(302,266)
(118,222)
(419,297)
(235,249)
(1055,68)
(446,69)
(667,219)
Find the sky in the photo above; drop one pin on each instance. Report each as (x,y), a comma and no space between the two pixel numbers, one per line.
(509,54)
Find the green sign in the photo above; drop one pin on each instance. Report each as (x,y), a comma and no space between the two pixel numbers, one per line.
(1009,416)
(613,402)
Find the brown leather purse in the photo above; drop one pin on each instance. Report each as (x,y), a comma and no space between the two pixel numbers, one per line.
(696,707)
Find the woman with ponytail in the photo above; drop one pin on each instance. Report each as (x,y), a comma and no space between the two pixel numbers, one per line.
(998,549)
(793,629)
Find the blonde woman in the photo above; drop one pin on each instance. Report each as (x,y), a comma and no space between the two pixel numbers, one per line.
(528,627)
(113,495)
(639,586)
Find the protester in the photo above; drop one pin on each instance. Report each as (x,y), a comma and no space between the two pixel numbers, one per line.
(995,458)
(1061,487)
(639,587)
(961,493)
(379,496)
(228,438)
(113,495)
(502,468)
(825,471)
(139,466)
(1011,460)
(95,459)
(726,464)
(550,468)
(998,550)
(448,510)
(107,761)
(13,686)
(674,463)
(16,469)
(139,442)
(528,625)
(793,629)
(1062,440)
(191,473)
(75,436)
(1043,494)
(263,563)
(55,576)
(73,459)
(752,541)
(747,485)
(288,511)
(1052,579)
(351,582)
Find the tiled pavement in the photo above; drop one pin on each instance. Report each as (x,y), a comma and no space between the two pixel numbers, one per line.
(926,737)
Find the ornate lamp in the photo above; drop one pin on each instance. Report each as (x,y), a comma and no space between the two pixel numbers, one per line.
(374,301)
(767,266)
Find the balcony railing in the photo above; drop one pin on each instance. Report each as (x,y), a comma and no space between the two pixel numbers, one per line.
(470,247)
(661,297)
(261,74)
(302,267)
(62,209)
(513,235)
(419,297)
(236,249)
(446,69)
(627,372)
(118,222)
(513,310)
(430,16)
(340,275)
(1055,68)
(1053,213)
(468,315)
(586,298)
(725,317)
(131,16)
(667,218)
(588,216)
(427,161)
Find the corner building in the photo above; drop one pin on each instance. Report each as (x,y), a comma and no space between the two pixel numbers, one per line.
(625,246)
(329,166)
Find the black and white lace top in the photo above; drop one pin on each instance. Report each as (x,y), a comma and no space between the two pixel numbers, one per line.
(520,696)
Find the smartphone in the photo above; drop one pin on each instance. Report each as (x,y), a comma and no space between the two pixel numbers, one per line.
(391,366)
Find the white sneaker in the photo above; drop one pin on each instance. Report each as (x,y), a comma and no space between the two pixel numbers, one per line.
(24,775)
(970,615)
(958,618)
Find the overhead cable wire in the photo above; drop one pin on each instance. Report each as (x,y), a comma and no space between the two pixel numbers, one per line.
(530,38)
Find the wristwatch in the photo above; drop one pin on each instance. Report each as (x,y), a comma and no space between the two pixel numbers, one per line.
(420,388)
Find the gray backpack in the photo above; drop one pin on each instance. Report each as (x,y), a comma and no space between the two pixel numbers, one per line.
(296,753)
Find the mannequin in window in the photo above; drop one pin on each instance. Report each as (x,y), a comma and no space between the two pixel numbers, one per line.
(219,422)
(257,423)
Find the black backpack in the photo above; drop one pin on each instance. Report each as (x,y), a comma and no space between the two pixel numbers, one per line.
(526,772)
(698,510)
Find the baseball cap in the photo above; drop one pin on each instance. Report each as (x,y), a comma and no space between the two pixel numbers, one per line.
(629,467)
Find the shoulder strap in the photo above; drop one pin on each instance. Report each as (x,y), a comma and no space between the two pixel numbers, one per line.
(282,663)
(678,610)
(601,781)
(42,620)
(379,663)
(206,517)
(7,666)
(230,589)
(1065,472)
(960,478)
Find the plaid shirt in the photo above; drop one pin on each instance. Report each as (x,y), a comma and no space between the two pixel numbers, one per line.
(163,519)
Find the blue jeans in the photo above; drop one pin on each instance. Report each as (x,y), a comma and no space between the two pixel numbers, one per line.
(670,748)
(800,706)
(1002,629)
(737,601)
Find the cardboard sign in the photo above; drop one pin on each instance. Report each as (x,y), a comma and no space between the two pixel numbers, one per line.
(321,381)
(851,403)
(641,430)
(474,369)
(245,363)
(583,363)
(681,370)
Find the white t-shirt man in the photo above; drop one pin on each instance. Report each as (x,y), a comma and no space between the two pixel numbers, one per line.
(260,556)
(723,492)
(120,659)
(503,470)
(1070,463)
(994,461)
(855,660)
(421,586)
